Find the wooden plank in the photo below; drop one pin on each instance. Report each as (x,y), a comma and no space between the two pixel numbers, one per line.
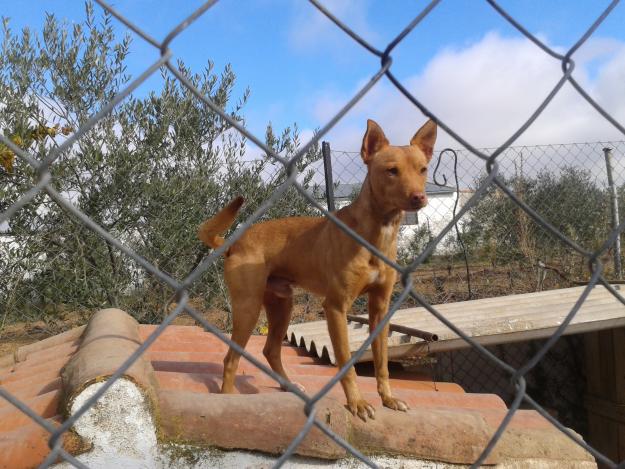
(604,371)
(608,409)
(619,365)
(621,442)
(469,308)
(524,317)
(606,365)
(593,375)
(431,323)
(561,295)
(424,335)
(475,311)
(493,321)
(603,435)
(512,311)
(501,307)
(508,324)
(445,345)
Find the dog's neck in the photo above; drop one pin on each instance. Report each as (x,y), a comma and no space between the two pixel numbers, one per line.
(374,219)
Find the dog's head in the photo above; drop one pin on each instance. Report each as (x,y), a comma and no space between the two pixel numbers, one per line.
(398,173)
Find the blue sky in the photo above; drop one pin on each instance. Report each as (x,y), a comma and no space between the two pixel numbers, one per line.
(464,60)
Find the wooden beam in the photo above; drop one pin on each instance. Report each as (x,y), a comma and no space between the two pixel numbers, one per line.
(427,336)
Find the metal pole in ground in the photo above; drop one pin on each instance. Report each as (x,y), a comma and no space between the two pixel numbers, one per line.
(327,166)
(614,210)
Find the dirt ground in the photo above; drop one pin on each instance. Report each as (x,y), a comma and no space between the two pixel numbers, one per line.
(13,336)
(438,282)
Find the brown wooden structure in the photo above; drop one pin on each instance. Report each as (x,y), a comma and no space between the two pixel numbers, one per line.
(605,399)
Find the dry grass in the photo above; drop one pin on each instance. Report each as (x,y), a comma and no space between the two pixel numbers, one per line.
(439,282)
(13,336)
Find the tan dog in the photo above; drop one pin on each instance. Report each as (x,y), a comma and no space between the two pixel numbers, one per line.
(270,257)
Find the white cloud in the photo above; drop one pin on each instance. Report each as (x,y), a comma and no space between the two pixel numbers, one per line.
(487,90)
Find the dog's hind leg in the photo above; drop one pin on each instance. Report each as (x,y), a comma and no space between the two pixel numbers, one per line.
(278,308)
(246,293)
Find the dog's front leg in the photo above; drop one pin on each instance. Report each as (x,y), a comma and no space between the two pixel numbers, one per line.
(379,300)
(336,316)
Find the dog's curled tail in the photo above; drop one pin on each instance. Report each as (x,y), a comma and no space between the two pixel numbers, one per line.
(210,231)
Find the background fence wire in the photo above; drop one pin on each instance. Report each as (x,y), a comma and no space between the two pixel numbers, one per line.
(506,183)
(566,183)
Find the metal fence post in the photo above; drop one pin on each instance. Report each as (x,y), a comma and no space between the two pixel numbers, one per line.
(327,166)
(614,211)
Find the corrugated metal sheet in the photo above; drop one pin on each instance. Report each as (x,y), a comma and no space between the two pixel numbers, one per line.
(490,321)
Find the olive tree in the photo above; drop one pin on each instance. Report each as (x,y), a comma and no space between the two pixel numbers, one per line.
(148,173)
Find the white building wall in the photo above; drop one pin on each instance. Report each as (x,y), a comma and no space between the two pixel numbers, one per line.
(436,215)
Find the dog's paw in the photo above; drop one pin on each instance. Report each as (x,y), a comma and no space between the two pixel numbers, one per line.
(362,409)
(394,403)
(297,385)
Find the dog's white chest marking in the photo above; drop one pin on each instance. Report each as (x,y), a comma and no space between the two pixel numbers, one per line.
(388,231)
(386,235)
(373,276)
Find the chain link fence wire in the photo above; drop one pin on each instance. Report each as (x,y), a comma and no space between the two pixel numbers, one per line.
(505,252)
(566,183)
(493,178)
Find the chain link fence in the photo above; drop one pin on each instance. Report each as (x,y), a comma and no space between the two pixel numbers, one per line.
(519,191)
(506,252)
(50,275)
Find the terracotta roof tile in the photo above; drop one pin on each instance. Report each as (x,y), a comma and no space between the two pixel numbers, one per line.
(32,388)
(34,379)
(60,351)
(45,405)
(34,368)
(199,360)
(184,368)
(26,446)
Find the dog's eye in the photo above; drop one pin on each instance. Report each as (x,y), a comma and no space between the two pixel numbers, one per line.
(423,170)
(393,171)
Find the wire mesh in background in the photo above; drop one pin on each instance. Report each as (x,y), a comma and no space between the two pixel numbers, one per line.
(506,253)
(566,183)
(43,182)
(558,382)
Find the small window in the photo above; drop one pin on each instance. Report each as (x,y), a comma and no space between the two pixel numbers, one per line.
(411,218)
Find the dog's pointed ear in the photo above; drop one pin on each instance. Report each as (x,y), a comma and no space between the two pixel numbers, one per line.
(373,141)
(425,138)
